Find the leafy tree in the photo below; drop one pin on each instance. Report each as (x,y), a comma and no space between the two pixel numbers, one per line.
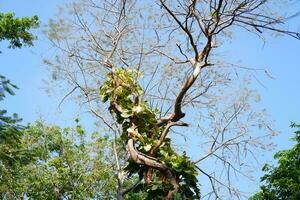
(44,162)
(66,165)
(282,182)
(16,30)
(148,72)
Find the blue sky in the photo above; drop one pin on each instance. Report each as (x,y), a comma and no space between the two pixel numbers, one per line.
(280,55)
(24,68)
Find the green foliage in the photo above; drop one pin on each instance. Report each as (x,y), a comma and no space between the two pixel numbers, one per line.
(10,130)
(283,181)
(6,87)
(61,163)
(16,30)
(123,92)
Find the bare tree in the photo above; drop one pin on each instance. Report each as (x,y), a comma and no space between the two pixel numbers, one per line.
(167,47)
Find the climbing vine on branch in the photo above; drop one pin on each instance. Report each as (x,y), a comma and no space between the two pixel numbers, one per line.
(166,173)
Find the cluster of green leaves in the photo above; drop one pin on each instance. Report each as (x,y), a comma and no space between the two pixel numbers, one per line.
(57,164)
(122,90)
(6,87)
(282,182)
(16,30)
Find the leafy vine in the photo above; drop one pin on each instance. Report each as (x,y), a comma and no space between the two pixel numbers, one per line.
(166,173)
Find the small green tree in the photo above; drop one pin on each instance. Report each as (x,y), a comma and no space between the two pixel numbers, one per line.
(282,182)
(66,164)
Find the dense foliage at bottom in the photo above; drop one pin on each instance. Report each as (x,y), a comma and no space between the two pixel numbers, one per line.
(282,182)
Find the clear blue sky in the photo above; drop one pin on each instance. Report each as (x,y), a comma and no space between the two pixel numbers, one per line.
(280,55)
(24,68)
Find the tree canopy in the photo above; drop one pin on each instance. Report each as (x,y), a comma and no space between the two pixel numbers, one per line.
(282,181)
(17,30)
(53,163)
